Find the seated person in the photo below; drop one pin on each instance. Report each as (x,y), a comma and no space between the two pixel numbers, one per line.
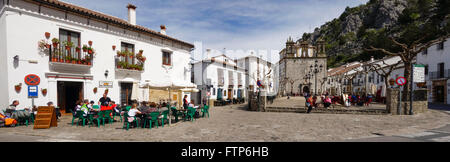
(153,108)
(327,102)
(133,112)
(84,107)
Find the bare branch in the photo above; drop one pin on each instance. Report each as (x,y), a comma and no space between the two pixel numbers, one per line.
(427,45)
(404,46)
(372,49)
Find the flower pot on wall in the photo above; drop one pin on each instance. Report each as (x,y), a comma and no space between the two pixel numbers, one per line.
(90,43)
(18,87)
(95,90)
(114,47)
(44,91)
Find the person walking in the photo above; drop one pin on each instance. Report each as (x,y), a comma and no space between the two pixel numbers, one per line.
(309,102)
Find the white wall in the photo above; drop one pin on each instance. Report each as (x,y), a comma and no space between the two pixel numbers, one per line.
(432,59)
(4,97)
(27,28)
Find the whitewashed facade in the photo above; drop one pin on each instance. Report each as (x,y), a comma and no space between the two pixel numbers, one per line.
(221,77)
(257,69)
(437,71)
(23,24)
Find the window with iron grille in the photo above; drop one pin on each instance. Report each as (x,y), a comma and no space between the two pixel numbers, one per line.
(167,58)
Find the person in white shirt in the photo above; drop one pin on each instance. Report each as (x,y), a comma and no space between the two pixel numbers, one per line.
(133,112)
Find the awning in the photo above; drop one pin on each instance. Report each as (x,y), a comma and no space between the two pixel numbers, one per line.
(189,90)
(135,92)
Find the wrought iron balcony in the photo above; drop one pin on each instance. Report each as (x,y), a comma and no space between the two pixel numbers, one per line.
(61,55)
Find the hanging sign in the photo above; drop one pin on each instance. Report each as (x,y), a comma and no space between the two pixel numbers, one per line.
(419,73)
(105,84)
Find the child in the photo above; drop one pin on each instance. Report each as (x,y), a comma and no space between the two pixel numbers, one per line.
(132,113)
(85,108)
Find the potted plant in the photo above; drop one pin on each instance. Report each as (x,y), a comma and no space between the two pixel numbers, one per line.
(68,45)
(95,90)
(88,60)
(85,48)
(47,35)
(114,47)
(44,91)
(119,53)
(77,49)
(18,87)
(90,50)
(90,43)
(55,42)
(74,60)
(68,59)
(141,51)
(42,44)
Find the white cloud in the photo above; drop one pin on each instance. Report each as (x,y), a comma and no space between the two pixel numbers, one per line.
(234,25)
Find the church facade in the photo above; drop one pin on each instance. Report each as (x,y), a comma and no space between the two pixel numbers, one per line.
(302,68)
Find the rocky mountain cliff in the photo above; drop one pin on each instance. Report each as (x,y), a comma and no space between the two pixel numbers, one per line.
(347,35)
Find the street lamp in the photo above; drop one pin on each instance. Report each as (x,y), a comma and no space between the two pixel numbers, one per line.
(315,70)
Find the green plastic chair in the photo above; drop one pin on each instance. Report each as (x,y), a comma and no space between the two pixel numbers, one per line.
(128,108)
(126,124)
(154,119)
(116,114)
(95,107)
(107,115)
(205,110)
(190,113)
(165,114)
(176,113)
(79,116)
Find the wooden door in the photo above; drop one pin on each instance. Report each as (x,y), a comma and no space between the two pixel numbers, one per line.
(230,94)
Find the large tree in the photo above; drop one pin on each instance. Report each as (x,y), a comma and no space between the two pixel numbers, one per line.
(416,31)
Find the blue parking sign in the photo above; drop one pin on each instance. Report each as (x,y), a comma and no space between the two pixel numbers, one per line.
(32,91)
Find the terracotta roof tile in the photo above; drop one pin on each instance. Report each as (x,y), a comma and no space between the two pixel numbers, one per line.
(81,10)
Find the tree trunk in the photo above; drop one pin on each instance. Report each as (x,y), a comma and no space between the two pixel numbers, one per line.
(408,86)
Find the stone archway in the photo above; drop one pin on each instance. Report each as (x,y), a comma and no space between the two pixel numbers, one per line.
(306,89)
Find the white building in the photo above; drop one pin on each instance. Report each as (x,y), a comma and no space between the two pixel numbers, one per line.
(24,23)
(221,77)
(257,69)
(437,71)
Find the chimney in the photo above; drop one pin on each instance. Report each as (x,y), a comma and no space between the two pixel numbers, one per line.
(163,29)
(131,14)
(207,53)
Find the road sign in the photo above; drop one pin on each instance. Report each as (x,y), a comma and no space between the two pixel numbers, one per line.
(419,73)
(32,79)
(401,81)
(32,91)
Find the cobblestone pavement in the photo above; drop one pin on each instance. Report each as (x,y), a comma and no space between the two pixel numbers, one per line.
(234,124)
(441,134)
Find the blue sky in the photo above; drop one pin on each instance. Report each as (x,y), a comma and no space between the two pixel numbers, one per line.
(232,24)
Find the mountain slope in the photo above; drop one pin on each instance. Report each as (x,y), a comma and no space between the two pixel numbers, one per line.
(371,23)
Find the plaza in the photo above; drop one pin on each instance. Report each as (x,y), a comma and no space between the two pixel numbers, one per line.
(233,123)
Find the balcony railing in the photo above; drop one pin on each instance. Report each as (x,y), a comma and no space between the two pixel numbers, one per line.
(124,64)
(73,55)
(439,75)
